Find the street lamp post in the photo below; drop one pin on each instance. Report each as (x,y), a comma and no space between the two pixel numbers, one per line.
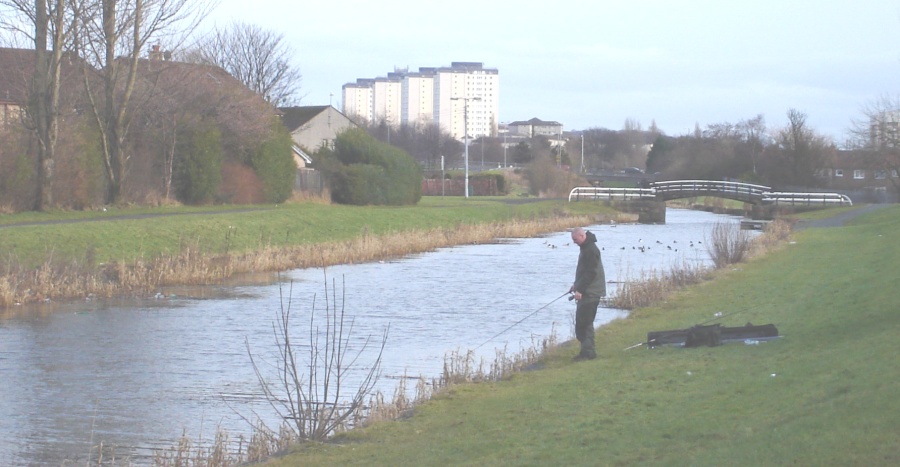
(582,153)
(466,133)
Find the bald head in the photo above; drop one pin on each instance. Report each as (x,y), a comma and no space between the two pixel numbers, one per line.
(578,235)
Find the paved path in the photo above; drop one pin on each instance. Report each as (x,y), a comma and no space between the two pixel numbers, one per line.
(840,219)
(116,217)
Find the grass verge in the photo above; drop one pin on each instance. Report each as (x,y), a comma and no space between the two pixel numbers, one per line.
(823,394)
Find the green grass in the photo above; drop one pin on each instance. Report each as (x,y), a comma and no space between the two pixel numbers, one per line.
(115,236)
(833,399)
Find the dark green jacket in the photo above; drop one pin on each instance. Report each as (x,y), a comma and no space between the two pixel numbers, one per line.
(590,280)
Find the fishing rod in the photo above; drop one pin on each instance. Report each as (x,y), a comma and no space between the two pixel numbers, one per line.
(523,319)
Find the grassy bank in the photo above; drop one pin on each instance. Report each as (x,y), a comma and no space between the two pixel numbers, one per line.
(823,394)
(65,255)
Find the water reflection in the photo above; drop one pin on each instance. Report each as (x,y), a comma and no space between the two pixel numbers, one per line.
(136,375)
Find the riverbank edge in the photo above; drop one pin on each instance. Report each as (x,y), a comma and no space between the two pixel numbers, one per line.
(191,266)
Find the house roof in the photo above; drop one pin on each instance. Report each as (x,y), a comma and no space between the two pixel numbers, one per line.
(856,159)
(16,66)
(301,153)
(295,117)
(168,73)
(17,73)
(534,121)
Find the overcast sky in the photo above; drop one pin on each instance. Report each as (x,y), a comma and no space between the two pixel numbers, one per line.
(589,64)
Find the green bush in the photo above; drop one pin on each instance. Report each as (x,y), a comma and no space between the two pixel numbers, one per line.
(198,164)
(274,165)
(363,170)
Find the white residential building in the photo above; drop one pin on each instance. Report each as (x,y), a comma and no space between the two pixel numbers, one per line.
(450,97)
(358,98)
(467,84)
(417,100)
(386,95)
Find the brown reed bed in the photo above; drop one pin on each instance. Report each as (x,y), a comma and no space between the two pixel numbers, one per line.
(192,265)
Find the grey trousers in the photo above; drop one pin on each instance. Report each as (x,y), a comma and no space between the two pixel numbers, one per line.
(585,313)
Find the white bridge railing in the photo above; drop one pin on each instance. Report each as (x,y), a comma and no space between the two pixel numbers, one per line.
(743,191)
(685,188)
(805,199)
(594,193)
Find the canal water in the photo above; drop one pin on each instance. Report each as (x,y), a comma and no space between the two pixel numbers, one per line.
(135,375)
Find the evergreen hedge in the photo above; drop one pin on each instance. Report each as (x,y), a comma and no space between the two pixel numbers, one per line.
(274,165)
(197,170)
(362,171)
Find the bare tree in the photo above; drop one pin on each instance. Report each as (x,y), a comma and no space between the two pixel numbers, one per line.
(259,58)
(800,152)
(877,133)
(753,131)
(48,23)
(111,35)
(315,396)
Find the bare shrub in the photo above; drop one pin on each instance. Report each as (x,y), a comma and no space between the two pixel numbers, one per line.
(240,185)
(460,368)
(313,396)
(774,234)
(727,244)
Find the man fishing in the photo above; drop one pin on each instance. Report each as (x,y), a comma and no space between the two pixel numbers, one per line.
(589,288)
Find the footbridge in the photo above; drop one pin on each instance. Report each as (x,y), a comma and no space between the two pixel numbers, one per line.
(677,189)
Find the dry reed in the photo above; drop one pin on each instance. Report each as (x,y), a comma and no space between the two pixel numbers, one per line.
(728,244)
(655,287)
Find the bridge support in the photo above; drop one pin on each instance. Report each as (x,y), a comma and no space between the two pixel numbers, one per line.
(649,212)
(763,212)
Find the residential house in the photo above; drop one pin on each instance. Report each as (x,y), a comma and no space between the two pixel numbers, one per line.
(15,65)
(313,127)
(860,174)
(16,75)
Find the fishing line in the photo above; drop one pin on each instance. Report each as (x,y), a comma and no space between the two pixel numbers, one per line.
(520,321)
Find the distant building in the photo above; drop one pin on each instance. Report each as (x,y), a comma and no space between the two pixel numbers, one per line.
(359,100)
(861,173)
(462,98)
(417,97)
(535,127)
(884,130)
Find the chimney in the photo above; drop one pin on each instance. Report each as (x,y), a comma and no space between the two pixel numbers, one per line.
(155,53)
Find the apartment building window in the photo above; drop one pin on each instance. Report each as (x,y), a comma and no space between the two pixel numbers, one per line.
(859,174)
(894,173)
(880,174)
(838,172)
